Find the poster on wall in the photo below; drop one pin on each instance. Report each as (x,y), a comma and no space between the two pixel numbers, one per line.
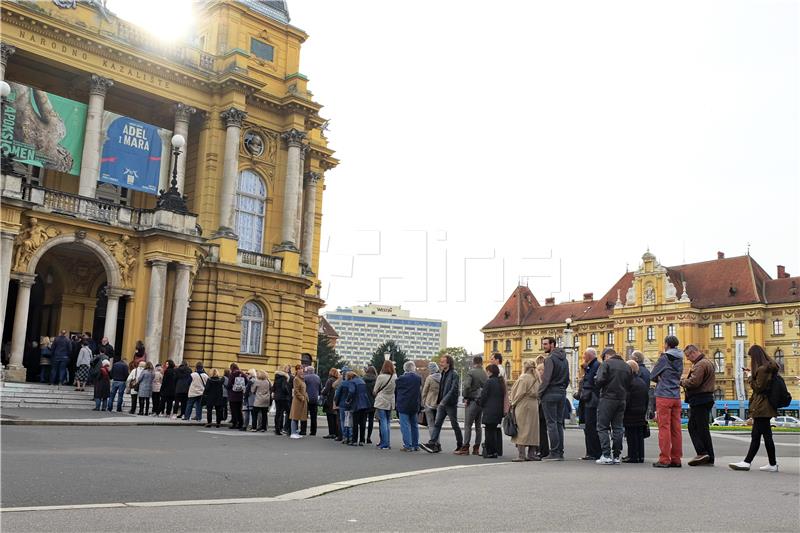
(135,154)
(43,129)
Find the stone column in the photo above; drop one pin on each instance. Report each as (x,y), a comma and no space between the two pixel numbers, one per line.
(6,250)
(92,142)
(155,309)
(180,307)
(298,235)
(26,281)
(233,119)
(291,190)
(112,311)
(6,50)
(183,114)
(309,217)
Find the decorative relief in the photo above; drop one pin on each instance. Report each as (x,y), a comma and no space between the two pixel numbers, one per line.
(649,294)
(199,261)
(630,296)
(125,252)
(29,240)
(259,143)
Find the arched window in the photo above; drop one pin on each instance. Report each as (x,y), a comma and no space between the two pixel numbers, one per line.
(252,328)
(528,344)
(780,360)
(719,361)
(251,205)
(508,346)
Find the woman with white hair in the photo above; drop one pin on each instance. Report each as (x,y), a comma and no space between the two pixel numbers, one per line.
(384,393)
(407,391)
(525,404)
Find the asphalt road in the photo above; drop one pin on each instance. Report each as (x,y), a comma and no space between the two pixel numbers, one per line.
(67,465)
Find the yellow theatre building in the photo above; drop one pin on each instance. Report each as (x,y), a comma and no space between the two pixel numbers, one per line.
(163,192)
(722,306)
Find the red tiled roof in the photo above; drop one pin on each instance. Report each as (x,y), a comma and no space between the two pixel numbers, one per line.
(605,305)
(326,329)
(709,283)
(784,290)
(553,314)
(516,310)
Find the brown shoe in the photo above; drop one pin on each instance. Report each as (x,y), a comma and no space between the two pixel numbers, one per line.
(464,450)
(476,450)
(700,460)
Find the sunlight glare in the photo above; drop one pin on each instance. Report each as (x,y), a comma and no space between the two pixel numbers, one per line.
(168,20)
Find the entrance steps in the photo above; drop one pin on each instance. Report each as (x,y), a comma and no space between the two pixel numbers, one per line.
(14,395)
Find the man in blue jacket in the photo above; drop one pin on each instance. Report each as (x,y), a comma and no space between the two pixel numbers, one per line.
(408,394)
(62,350)
(448,406)
(589,399)
(667,375)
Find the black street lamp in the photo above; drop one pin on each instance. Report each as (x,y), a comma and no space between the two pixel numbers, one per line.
(171,199)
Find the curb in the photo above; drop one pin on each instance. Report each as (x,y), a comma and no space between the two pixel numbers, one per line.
(7,422)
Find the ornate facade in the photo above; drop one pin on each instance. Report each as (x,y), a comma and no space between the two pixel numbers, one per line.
(221,267)
(722,306)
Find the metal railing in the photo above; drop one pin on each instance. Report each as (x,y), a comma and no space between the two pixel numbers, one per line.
(269,262)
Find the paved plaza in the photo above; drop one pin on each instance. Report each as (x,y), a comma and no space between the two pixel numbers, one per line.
(154,478)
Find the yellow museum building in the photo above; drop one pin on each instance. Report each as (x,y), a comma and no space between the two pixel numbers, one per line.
(226,273)
(722,305)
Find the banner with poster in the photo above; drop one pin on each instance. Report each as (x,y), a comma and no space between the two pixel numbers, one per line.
(135,154)
(738,373)
(43,129)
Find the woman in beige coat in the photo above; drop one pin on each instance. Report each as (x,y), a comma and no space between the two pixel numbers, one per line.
(299,409)
(525,402)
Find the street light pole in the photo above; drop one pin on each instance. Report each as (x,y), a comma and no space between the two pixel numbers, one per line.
(572,358)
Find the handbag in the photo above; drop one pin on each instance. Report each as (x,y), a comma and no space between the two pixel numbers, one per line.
(647,431)
(510,424)
(422,420)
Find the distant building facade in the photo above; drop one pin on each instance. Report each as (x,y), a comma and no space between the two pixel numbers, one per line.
(362,329)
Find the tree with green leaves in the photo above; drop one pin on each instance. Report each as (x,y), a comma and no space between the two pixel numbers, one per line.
(397,355)
(327,357)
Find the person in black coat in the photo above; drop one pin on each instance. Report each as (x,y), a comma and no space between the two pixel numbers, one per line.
(168,383)
(213,397)
(281,393)
(634,420)
(589,398)
(183,379)
(492,402)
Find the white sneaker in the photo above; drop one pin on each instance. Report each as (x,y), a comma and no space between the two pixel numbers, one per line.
(605,460)
(739,466)
(295,436)
(769,468)
(616,460)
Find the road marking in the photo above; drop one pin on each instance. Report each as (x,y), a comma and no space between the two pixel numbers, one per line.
(230,433)
(747,439)
(304,494)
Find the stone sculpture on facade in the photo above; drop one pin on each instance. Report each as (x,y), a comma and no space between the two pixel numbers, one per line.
(29,240)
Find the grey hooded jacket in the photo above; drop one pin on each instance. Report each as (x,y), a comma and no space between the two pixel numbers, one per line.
(556,374)
(667,374)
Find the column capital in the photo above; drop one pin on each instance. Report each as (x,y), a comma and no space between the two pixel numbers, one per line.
(293,137)
(183,266)
(311,178)
(233,117)
(158,263)
(6,51)
(25,280)
(99,85)
(115,293)
(183,112)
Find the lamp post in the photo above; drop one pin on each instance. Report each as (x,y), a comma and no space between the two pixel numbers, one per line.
(572,358)
(7,162)
(171,199)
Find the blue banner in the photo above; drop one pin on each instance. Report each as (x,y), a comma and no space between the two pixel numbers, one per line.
(135,155)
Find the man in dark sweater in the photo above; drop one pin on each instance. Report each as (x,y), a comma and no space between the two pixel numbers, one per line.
(589,399)
(552,393)
(119,375)
(614,381)
(699,386)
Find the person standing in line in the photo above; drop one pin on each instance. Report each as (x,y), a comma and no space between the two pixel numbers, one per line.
(497,359)
(158,380)
(430,396)
(473,383)
(168,388)
(408,390)
(360,408)
(45,355)
(667,375)
(197,385)
(248,398)
(280,392)
(183,380)
(290,394)
(145,392)
(524,401)
(760,376)
(448,406)
(634,420)
(644,373)
(492,401)
(139,355)
(299,409)
(237,384)
(589,399)
(225,378)
(262,389)
(613,379)
(552,392)
(107,349)
(344,399)
(82,370)
(313,384)
(102,388)
(328,407)
(133,386)
(699,388)
(370,376)
(212,394)
(62,349)
(544,441)
(384,392)
(119,379)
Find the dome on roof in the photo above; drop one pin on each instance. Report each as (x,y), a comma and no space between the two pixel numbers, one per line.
(274,9)
(648,256)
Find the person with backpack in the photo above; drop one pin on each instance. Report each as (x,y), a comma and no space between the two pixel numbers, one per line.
(764,379)
(248,399)
(236,389)
(197,386)
(699,387)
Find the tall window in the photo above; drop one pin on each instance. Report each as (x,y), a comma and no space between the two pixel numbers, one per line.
(671,329)
(528,344)
(651,333)
(508,346)
(631,335)
(716,331)
(610,338)
(780,360)
(494,346)
(251,201)
(252,328)
(593,339)
(777,327)
(262,50)
(719,361)
(741,331)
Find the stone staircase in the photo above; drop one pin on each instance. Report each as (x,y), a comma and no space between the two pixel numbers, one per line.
(13,395)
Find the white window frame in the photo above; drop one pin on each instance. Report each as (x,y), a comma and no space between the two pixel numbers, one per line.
(252,338)
(719,356)
(777,327)
(671,330)
(631,335)
(716,331)
(741,329)
(651,333)
(256,242)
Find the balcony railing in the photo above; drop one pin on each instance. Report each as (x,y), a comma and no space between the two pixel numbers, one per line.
(269,262)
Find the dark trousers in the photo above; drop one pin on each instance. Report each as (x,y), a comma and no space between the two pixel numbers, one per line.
(634,435)
(157,402)
(590,432)
(166,404)
(360,426)
(544,441)
(312,415)
(217,409)
(698,429)
(761,428)
(281,414)
(609,425)
(492,439)
(287,423)
(181,399)
(144,406)
(237,420)
(553,407)
(333,423)
(134,398)
(260,415)
(451,412)
(370,422)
